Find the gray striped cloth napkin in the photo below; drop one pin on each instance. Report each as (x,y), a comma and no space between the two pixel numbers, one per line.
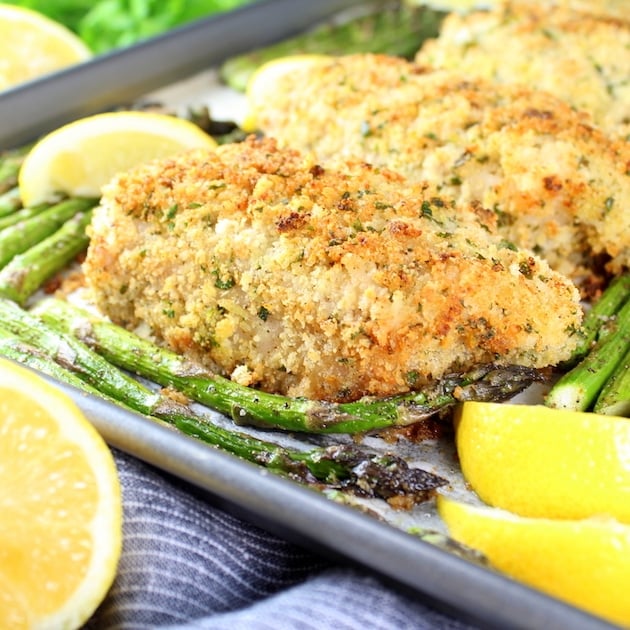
(186,565)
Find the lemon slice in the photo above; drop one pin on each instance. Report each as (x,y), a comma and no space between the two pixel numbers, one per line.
(542,462)
(262,84)
(60,501)
(32,45)
(583,562)
(80,157)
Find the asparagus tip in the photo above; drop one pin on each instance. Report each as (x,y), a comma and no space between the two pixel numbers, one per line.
(387,476)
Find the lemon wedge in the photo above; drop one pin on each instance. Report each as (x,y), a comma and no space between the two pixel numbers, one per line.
(542,462)
(32,45)
(80,157)
(262,83)
(585,563)
(61,507)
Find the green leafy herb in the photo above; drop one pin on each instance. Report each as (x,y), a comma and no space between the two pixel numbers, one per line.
(222,283)
(107,24)
(263,313)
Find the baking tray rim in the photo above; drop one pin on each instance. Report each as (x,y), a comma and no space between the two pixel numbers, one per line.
(437,577)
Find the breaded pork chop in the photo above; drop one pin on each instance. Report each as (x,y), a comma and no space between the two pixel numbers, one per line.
(325,283)
(557,184)
(580,57)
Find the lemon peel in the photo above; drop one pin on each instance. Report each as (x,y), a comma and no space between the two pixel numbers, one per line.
(585,563)
(542,462)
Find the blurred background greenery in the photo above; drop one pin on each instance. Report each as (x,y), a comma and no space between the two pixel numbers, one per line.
(107,24)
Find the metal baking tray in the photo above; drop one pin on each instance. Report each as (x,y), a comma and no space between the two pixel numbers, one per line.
(121,76)
(469,591)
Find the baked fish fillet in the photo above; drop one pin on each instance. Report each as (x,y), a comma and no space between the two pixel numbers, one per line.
(557,184)
(581,57)
(604,8)
(319,282)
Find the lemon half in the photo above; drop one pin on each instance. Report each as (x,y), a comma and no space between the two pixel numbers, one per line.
(61,507)
(32,45)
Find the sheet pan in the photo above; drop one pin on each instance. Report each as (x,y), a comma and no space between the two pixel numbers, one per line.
(121,76)
(476,594)
(154,70)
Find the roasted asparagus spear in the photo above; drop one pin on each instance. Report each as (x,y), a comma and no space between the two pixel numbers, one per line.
(10,201)
(22,235)
(341,466)
(579,388)
(26,272)
(250,406)
(10,162)
(614,399)
(604,308)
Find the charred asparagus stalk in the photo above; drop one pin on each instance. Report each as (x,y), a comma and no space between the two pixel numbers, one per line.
(347,467)
(248,406)
(11,347)
(26,272)
(579,388)
(72,354)
(394,31)
(23,235)
(10,201)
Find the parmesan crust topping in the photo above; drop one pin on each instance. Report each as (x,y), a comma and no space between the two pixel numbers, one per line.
(580,57)
(331,283)
(557,184)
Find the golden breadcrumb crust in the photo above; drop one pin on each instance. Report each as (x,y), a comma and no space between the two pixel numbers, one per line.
(583,59)
(607,8)
(617,9)
(331,284)
(557,184)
